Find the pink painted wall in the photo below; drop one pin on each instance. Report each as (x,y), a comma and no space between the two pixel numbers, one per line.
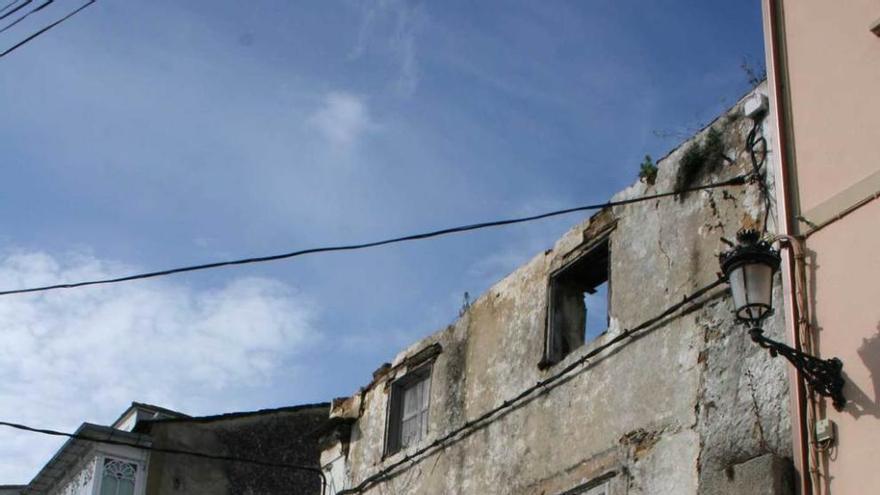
(834,86)
(845,269)
(830,76)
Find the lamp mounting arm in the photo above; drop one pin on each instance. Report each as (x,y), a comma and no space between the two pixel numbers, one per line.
(823,375)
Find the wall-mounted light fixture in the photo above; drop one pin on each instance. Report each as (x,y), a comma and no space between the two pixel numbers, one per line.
(749,267)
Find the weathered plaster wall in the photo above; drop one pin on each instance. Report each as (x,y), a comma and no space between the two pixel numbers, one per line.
(283,436)
(81,480)
(662,413)
(83,476)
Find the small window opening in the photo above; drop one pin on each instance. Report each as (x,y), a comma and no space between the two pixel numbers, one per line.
(578,305)
(408,410)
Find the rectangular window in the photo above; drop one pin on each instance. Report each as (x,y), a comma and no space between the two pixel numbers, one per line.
(408,410)
(118,477)
(578,303)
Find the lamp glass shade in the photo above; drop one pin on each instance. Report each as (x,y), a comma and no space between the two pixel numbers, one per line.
(752,287)
(737,280)
(749,269)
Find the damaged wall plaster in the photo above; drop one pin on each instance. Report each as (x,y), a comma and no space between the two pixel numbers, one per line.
(671,411)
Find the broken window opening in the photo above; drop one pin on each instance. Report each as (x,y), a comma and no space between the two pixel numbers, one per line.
(579,296)
(408,410)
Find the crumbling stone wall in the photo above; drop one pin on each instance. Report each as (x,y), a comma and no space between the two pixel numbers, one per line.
(689,406)
(280,436)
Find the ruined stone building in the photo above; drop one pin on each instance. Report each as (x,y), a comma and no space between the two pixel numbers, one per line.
(128,467)
(561,378)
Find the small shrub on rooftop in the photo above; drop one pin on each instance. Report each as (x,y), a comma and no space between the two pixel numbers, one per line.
(648,171)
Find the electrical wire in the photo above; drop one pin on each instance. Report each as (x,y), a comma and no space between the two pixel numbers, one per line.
(803,336)
(753,140)
(163,450)
(34,10)
(10,4)
(16,9)
(43,30)
(735,181)
(542,384)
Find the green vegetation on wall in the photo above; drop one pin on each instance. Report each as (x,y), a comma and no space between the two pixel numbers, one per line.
(648,171)
(700,159)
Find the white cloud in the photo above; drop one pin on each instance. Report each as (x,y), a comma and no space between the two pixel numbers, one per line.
(342,118)
(393,25)
(403,44)
(83,355)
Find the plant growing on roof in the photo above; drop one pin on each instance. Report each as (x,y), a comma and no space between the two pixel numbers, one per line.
(648,171)
(700,158)
(754,74)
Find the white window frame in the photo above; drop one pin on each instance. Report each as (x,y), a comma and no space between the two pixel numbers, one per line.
(397,416)
(140,478)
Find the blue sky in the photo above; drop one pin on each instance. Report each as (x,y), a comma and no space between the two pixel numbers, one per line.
(143,135)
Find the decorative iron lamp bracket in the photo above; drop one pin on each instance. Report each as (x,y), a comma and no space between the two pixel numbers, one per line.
(749,269)
(823,375)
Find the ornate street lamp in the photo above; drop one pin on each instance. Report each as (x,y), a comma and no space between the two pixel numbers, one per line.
(749,269)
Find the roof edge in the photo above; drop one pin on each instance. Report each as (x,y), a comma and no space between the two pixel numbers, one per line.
(143,426)
(144,405)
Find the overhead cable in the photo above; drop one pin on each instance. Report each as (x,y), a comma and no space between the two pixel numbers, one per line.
(757,147)
(735,181)
(43,30)
(10,4)
(480,421)
(15,9)
(163,450)
(32,11)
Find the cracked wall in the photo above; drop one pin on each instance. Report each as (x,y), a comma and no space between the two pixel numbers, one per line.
(673,410)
